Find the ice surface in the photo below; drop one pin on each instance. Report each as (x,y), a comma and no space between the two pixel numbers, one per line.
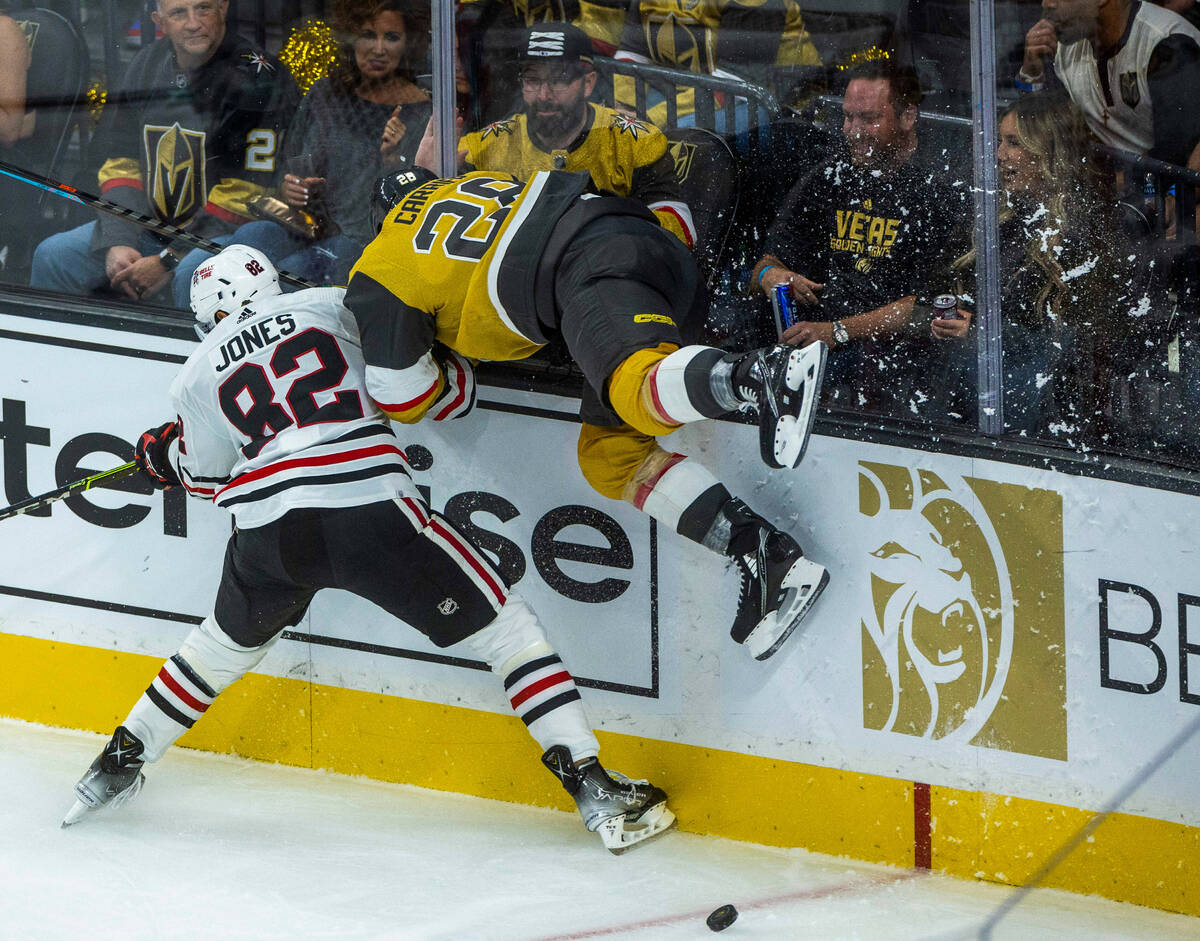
(217,847)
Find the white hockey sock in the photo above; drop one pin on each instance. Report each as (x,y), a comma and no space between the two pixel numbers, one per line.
(665,485)
(539,687)
(692,384)
(207,662)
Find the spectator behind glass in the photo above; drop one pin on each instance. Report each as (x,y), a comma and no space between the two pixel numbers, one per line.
(858,238)
(191,136)
(1066,299)
(491,34)
(1132,68)
(15,123)
(559,129)
(364,119)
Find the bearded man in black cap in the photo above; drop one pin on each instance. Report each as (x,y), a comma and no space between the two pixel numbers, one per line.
(560,129)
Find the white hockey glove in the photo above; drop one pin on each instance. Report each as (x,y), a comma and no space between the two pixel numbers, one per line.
(458,398)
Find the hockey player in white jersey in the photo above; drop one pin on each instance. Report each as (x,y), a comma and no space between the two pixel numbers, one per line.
(274,423)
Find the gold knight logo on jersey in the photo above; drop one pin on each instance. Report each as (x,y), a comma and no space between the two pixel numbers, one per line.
(683,154)
(963,628)
(175,171)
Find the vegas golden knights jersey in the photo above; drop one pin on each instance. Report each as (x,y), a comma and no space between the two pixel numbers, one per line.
(456,262)
(708,35)
(739,37)
(623,156)
(191,148)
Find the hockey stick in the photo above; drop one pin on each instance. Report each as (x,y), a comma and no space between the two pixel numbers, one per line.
(78,486)
(1126,790)
(146,222)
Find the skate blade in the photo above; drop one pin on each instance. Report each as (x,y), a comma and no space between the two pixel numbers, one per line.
(793,611)
(84,807)
(805,373)
(620,834)
(76,813)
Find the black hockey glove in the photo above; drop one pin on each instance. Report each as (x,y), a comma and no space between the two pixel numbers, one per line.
(458,398)
(151,455)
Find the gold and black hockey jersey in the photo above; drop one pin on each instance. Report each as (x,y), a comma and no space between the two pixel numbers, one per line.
(456,262)
(708,35)
(622,155)
(740,38)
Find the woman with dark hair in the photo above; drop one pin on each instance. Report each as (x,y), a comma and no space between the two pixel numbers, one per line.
(362,120)
(1064,282)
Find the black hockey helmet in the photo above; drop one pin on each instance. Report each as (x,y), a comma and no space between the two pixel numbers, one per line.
(391,188)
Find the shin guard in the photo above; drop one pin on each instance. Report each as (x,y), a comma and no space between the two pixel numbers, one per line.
(207,662)
(539,687)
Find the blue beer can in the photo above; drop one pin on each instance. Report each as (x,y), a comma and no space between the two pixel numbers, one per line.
(784,306)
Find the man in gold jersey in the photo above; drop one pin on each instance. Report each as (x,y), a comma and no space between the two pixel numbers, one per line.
(560,129)
(484,266)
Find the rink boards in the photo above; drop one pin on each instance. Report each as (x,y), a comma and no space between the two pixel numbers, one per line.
(1000,649)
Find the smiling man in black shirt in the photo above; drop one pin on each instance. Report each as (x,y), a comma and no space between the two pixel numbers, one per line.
(859,235)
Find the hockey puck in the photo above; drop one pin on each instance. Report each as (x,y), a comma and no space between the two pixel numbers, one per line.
(721,918)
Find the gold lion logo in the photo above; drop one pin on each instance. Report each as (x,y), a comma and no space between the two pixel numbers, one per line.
(963,633)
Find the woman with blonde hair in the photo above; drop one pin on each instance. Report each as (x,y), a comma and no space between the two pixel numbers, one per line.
(1062,275)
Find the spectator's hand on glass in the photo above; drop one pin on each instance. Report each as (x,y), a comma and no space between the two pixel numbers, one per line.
(805,332)
(298,190)
(951,328)
(1040,41)
(427,150)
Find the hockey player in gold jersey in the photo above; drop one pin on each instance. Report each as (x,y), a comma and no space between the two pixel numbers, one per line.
(493,268)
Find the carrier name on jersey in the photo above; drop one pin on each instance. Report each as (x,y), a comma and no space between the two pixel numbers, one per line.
(257,336)
(414,202)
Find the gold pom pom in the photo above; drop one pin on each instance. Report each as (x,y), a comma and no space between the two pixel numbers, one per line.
(309,53)
(96,97)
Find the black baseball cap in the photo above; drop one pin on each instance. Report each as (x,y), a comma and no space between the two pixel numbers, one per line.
(555,42)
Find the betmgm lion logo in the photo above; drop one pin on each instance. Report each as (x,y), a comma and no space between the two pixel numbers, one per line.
(963,629)
(175,165)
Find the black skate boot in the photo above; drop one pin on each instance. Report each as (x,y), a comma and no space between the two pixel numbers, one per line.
(782,384)
(779,585)
(622,811)
(114,777)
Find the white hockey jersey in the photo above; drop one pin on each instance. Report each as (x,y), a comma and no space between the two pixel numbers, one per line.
(275,414)
(1114,93)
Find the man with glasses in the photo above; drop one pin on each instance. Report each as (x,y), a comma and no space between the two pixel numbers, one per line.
(192,135)
(560,129)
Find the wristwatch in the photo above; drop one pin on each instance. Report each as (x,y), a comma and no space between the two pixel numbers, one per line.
(841,336)
(168,259)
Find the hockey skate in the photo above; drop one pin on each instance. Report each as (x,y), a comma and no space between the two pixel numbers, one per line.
(782,384)
(114,777)
(779,585)
(622,811)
